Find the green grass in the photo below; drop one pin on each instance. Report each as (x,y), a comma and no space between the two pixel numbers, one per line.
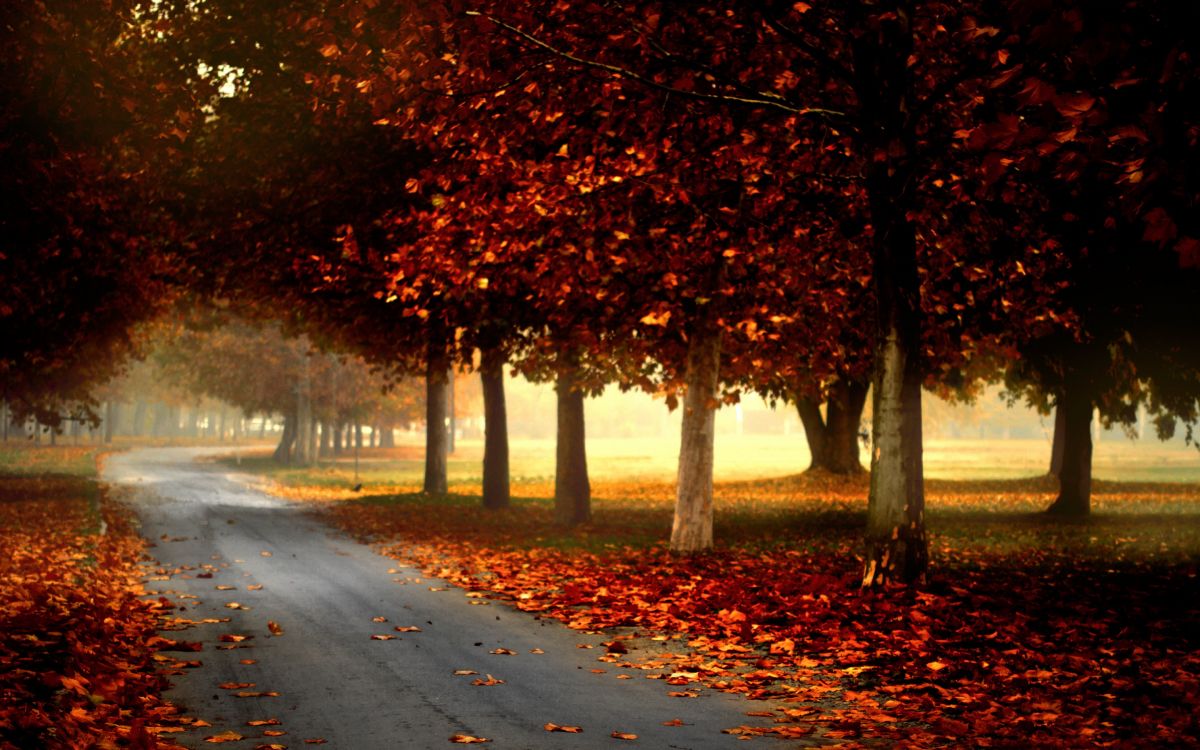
(23,459)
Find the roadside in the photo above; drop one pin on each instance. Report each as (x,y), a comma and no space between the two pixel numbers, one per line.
(78,660)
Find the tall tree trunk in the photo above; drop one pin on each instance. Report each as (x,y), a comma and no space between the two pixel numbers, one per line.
(358,436)
(338,439)
(326,449)
(895,545)
(283,451)
(313,446)
(387,435)
(495,435)
(374,436)
(302,454)
(1075,480)
(452,434)
(1056,446)
(572,491)
(692,529)
(435,417)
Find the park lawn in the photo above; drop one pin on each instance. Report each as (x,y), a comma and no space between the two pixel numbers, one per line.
(1029,630)
(77,643)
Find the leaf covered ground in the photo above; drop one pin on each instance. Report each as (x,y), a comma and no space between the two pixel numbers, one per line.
(77,643)
(1030,632)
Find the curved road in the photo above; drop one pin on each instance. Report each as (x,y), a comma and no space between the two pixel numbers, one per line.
(336,683)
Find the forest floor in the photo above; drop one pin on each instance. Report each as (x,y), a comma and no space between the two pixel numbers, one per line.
(78,647)
(1030,631)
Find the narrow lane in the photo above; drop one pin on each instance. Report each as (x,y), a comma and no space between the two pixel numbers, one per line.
(338,684)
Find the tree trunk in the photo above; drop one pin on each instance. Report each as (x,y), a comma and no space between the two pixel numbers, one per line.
(283,451)
(374,436)
(495,434)
(895,545)
(692,530)
(844,413)
(387,436)
(326,449)
(435,418)
(262,427)
(1056,447)
(452,435)
(358,441)
(221,424)
(339,444)
(809,410)
(572,491)
(313,446)
(833,440)
(1075,479)
(302,454)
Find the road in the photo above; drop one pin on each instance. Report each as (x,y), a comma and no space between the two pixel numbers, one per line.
(334,681)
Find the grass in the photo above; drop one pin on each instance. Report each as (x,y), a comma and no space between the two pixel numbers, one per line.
(969,514)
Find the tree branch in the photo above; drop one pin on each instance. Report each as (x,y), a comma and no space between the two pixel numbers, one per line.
(755,101)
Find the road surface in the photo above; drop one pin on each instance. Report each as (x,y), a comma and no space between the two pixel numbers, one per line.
(338,684)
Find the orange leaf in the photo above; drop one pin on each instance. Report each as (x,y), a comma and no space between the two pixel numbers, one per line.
(262,722)
(274,627)
(551,727)
(229,736)
(466,739)
(623,736)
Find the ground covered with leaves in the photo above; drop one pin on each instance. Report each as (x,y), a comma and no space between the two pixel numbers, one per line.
(1030,632)
(77,643)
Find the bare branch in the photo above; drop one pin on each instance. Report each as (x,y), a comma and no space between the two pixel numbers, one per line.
(772,102)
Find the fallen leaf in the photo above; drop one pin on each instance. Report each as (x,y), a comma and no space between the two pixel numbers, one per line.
(407,629)
(254,587)
(229,736)
(265,553)
(235,605)
(270,746)
(234,638)
(623,736)
(379,619)
(273,733)
(274,627)
(466,739)
(503,652)
(248,661)
(936,666)
(263,722)
(235,685)
(488,682)
(536,651)
(464,672)
(550,727)
(225,588)
(261,694)
(673,723)
(382,637)
(315,741)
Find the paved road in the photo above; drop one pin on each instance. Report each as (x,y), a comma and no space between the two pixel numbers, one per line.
(334,681)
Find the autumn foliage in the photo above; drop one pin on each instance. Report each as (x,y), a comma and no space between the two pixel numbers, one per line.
(77,641)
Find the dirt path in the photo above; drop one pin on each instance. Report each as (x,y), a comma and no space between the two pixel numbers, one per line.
(334,681)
